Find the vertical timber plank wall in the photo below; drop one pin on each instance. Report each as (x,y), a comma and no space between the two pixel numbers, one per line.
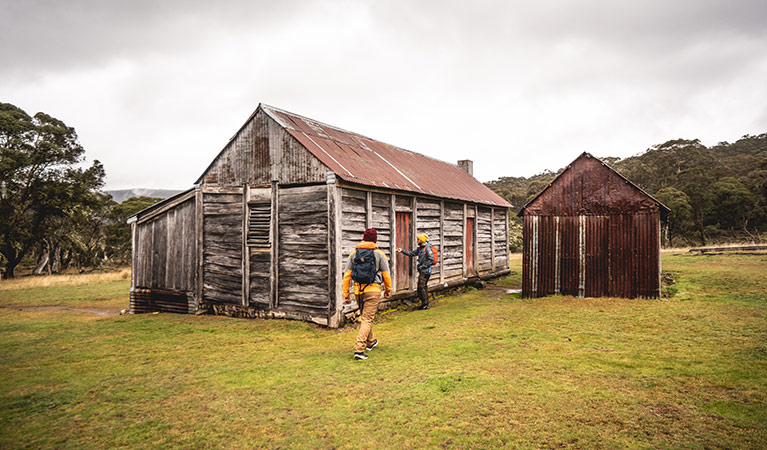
(165,250)
(353,219)
(453,241)
(501,238)
(381,220)
(484,245)
(428,212)
(303,250)
(222,245)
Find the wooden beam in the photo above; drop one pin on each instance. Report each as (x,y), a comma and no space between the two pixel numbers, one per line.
(335,261)
(492,239)
(474,239)
(245,250)
(506,237)
(275,263)
(169,234)
(463,244)
(221,189)
(134,256)
(198,226)
(413,242)
(441,241)
(393,242)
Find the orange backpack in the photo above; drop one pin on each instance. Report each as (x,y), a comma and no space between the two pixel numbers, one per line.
(436,254)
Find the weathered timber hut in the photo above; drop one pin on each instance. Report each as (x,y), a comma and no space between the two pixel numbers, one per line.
(266,229)
(592,233)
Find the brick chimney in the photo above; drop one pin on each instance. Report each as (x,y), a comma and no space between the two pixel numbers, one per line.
(467,165)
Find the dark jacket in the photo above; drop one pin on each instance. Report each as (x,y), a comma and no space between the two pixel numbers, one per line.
(425,256)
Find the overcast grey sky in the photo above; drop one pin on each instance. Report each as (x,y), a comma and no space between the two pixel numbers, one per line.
(156,88)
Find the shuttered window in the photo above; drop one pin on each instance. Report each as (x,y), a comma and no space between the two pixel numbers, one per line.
(260,216)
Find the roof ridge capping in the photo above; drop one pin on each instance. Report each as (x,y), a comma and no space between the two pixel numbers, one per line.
(664,209)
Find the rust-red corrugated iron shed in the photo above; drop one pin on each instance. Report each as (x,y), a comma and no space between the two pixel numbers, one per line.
(591,232)
(361,160)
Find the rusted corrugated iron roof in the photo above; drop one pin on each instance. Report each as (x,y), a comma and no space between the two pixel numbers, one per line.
(359,159)
(664,210)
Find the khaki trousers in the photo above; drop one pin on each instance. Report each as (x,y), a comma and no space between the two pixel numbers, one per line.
(370,302)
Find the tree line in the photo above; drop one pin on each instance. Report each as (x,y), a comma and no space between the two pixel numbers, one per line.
(715,194)
(53,214)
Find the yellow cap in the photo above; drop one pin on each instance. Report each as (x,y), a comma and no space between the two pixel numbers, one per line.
(422,238)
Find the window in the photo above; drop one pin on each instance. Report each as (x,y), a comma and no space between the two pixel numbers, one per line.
(259,220)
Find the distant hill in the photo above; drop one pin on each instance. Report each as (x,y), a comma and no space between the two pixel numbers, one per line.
(120,195)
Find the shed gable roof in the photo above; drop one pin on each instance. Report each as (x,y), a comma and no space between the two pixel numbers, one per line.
(361,160)
(589,186)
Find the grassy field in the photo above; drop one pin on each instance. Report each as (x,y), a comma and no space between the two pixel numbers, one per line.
(483,369)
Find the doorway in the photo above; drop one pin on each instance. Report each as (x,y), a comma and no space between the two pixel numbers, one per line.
(402,263)
(469,246)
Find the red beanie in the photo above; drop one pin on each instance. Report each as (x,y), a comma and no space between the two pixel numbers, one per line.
(371,235)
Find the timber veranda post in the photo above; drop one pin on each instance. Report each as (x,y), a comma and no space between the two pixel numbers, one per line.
(393,241)
(413,242)
(275,263)
(335,261)
(245,249)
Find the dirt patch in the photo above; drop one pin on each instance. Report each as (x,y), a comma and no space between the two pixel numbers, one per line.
(97,312)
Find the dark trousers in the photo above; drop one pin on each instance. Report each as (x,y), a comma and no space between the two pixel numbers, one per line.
(423,289)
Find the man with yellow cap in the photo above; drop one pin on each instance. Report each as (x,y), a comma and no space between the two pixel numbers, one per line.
(425,261)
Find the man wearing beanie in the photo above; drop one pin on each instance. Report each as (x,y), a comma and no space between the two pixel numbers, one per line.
(367,256)
(425,261)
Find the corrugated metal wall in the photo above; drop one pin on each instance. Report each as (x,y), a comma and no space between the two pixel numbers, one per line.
(592,256)
(591,233)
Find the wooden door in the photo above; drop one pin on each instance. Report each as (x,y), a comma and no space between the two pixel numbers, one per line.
(402,263)
(469,245)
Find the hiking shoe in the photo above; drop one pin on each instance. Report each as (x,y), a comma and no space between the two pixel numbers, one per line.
(426,306)
(360,356)
(375,342)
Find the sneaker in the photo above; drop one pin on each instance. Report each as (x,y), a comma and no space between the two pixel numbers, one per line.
(375,342)
(360,356)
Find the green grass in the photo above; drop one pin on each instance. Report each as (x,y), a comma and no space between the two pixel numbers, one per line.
(483,369)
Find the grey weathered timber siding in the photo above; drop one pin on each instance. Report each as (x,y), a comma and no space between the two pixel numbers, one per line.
(353,219)
(293,164)
(453,231)
(303,250)
(484,240)
(380,208)
(442,221)
(222,246)
(234,165)
(428,221)
(501,238)
(166,250)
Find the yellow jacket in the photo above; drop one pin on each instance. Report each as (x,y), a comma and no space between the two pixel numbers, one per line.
(382,276)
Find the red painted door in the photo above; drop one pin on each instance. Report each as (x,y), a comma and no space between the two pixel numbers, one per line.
(402,262)
(469,245)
